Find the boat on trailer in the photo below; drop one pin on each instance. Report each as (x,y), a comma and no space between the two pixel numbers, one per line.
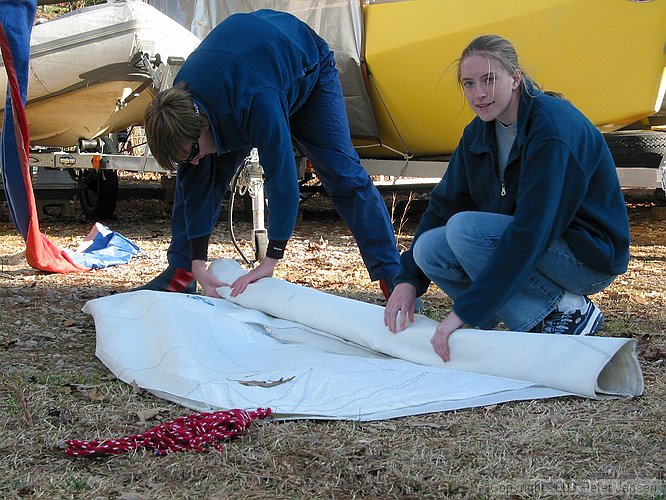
(88,75)
(606,56)
(396,61)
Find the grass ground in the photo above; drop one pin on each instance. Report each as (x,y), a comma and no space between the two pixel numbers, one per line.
(52,388)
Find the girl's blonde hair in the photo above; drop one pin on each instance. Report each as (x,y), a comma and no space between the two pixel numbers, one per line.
(501,50)
(171,119)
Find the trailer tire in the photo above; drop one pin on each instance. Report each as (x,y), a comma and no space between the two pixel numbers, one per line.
(637,148)
(98,193)
(98,189)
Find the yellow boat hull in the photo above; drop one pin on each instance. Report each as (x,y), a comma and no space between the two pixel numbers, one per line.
(605,56)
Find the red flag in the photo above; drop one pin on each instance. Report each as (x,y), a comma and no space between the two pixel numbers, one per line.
(41,253)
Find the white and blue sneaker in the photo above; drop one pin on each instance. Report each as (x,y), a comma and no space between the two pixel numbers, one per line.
(586,320)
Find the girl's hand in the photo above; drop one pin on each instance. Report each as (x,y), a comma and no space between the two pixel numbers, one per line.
(401,304)
(440,340)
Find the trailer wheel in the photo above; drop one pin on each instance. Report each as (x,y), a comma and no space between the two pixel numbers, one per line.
(637,148)
(98,193)
(98,189)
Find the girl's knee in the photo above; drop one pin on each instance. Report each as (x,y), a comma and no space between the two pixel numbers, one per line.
(418,249)
(471,229)
(428,245)
(460,228)
(461,224)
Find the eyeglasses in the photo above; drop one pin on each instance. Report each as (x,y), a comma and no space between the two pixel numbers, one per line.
(193,153)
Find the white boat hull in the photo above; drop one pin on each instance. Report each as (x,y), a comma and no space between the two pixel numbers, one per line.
(84,63)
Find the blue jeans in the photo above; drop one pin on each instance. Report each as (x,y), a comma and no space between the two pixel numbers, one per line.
(321,129)
(452,256)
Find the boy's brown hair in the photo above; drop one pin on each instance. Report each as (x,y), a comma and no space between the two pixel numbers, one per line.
(170,120)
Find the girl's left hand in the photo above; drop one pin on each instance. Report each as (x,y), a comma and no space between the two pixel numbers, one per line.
(263,270)
(440,340)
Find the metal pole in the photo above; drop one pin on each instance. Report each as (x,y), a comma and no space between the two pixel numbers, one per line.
(256,176)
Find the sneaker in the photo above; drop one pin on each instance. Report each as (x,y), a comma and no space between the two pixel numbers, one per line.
(172,279)
(387,287)
(587,320)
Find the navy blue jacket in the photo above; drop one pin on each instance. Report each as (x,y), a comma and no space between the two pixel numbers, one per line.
(250,75)
(560,181)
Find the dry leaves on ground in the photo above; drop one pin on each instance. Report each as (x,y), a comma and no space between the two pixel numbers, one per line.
(53,388)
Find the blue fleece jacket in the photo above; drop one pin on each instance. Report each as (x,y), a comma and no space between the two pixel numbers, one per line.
(560,181)
(250,75)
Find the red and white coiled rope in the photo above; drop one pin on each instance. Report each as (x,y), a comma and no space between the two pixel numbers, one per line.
(192,432)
